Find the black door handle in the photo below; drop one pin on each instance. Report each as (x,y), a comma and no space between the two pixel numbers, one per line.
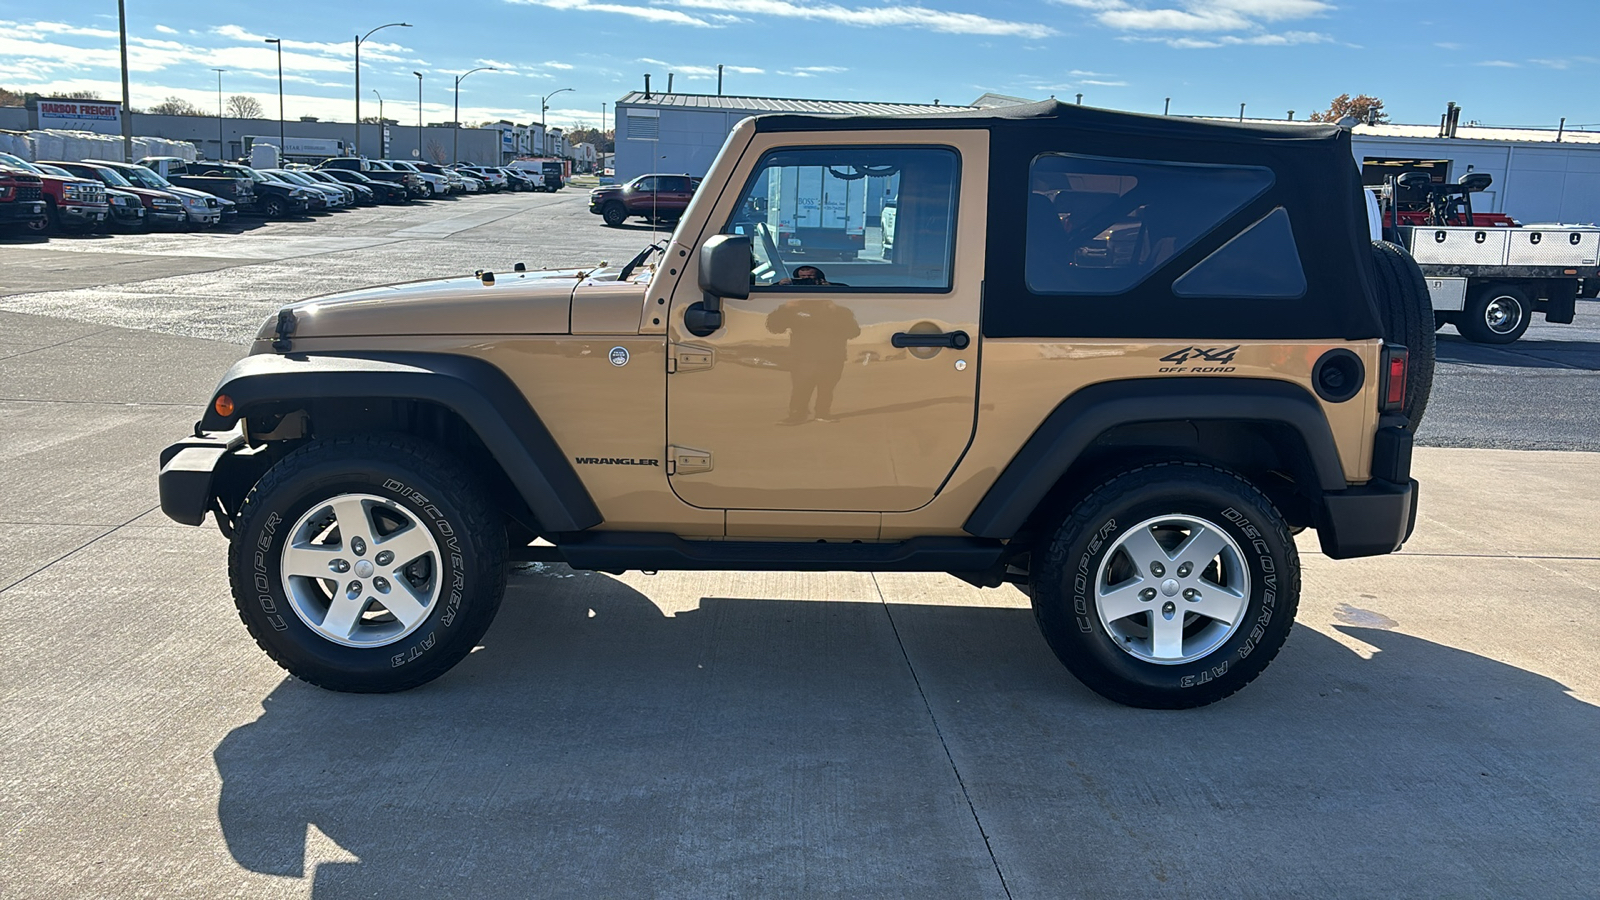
(955,340)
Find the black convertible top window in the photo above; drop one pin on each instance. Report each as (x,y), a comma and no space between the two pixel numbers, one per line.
(1100,226)
(1315,181)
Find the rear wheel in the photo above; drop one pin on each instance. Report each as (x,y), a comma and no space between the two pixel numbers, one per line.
(275,207)
(1495,314)
(614,213)
(367,564)
(1170,586)
(1407,312)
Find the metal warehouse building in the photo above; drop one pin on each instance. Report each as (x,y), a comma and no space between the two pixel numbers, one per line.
(681,133)
(1539,175)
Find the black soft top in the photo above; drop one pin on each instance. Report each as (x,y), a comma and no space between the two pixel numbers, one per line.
(1315,180)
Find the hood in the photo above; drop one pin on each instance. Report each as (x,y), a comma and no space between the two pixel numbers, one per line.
(189,192)
(538,302)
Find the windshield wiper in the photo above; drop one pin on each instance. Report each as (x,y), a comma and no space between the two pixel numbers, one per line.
(638,260)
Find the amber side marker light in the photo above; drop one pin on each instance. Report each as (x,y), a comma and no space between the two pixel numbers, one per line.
(223,405)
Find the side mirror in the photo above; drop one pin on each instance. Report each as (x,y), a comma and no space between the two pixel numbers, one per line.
(725,267)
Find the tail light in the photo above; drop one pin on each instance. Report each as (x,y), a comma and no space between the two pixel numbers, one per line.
(1396,361)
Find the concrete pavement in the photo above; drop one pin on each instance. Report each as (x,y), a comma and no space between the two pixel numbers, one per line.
(1429,730)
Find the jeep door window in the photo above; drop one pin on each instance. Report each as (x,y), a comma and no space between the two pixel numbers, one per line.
(877,218)
(1101,226)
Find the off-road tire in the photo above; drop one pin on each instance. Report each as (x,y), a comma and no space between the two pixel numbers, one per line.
(614,214)
(1474,319)
(421,480)
(1066,574)
(274,207)
(1407,313)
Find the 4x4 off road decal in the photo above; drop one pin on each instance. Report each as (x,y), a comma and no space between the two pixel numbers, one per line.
(1207,359)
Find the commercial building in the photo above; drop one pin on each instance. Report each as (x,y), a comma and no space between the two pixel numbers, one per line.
(681,133)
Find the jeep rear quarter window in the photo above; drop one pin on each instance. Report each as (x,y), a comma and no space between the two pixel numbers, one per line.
(826,208)
(1101,226)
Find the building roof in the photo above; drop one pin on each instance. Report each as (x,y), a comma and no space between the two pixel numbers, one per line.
(1480,133)
(782,105)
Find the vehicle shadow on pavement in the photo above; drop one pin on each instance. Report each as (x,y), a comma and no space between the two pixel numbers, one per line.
(596,747)
(1523,354)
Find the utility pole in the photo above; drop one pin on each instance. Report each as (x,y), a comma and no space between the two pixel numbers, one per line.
(1167,110)
(419,115)
(127,109)
(1241,112)
(359,39)
(719,79)
(283,145)
(222,147)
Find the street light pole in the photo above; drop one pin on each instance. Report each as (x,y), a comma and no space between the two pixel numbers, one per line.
(127,109)
(382,150)
(419,115)
(455,139)
(544,107)
(358,75)
(283,146)
(222,148)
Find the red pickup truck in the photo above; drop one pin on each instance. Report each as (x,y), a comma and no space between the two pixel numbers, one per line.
(72,203)
(655,197)
(21,198)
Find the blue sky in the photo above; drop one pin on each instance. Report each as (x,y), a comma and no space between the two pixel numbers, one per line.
(1507,63)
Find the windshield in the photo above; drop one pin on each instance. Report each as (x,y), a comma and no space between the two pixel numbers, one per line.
(257,177)
(20,163)
(55,170)
(109,176)
(292,177)
(144,178)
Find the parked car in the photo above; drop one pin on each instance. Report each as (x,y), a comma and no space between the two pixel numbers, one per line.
(204,176)
(518,180)
(21,199)
(382,191)
(162,208)
(654,197)
(71,203)
(378,171)
(201,210)
(363,194)
(492,180)
(435,185)
(333,196)
(457,184)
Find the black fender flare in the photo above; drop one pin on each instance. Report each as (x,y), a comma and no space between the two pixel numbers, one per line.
(477,391)
(1088,413)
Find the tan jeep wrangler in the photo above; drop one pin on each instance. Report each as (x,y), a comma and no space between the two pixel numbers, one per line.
(1116,360)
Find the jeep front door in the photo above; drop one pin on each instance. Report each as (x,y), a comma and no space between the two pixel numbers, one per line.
(847,380)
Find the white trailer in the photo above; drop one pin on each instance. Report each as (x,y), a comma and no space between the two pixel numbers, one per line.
(812,212)
(298,147)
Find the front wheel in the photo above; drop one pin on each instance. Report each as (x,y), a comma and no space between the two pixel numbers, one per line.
(1168,587)
(367,564)
(275,207)
(1495,314)
(614,214)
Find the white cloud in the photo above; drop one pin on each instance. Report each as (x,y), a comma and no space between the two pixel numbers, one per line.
(165,30)
(1498,64)
(714,13)
(1191,24)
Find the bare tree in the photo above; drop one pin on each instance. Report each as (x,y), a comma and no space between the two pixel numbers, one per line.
(177,106)
(437,154)
(243,106)
(10,98)
(1362,108)
(74,95)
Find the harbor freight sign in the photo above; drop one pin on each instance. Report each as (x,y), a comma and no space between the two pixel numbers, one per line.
(99,116)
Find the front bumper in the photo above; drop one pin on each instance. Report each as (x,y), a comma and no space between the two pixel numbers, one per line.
(188,469)
(166,217)
(25,211)
(82,215)
(127,215)
(205,218)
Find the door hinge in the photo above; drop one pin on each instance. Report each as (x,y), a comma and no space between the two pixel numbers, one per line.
(687,460)
(690,358)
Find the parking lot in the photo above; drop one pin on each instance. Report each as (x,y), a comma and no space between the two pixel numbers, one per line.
(1429,729)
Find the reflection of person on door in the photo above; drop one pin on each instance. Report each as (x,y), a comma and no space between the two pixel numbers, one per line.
(818,330)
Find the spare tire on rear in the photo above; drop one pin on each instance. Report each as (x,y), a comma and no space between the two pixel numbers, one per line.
(1407,313)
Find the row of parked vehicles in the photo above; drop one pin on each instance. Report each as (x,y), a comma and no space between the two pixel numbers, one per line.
(169,192)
